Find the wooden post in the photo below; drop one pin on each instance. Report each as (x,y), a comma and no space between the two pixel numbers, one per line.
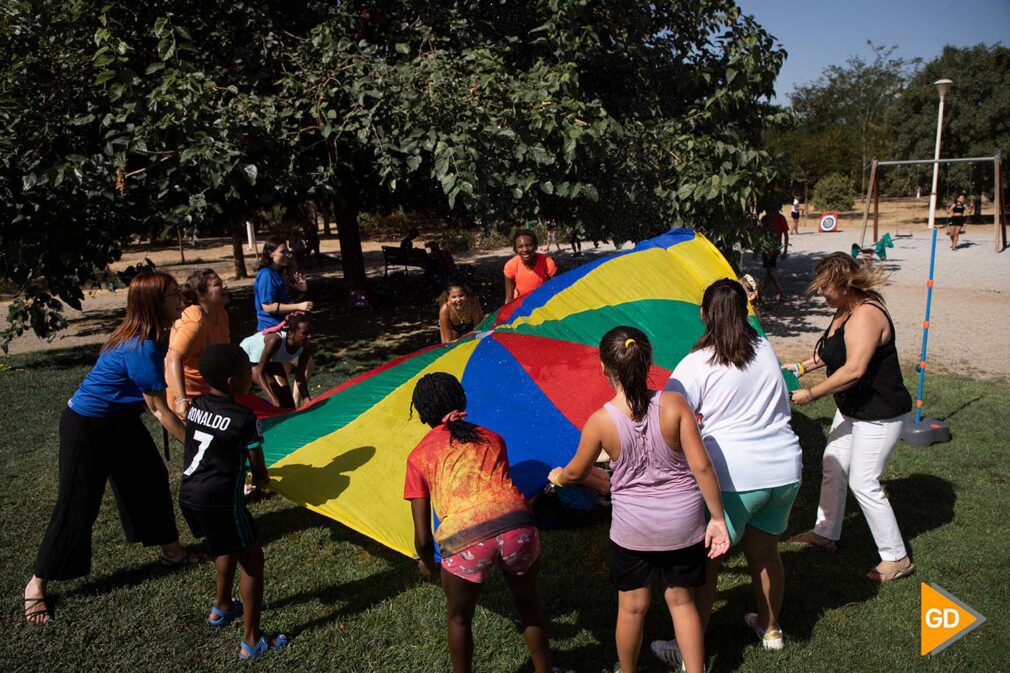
(999,219)
(866,208)
(875,187)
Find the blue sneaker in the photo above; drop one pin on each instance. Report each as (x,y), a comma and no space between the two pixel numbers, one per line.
(246,651)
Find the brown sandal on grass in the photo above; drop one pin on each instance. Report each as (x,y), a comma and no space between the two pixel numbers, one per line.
(815,541)
(37,610)
(880,576)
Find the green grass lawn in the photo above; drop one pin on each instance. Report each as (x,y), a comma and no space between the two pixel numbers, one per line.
(352,605)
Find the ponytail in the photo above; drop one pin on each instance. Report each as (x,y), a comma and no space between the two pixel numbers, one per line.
(627,356)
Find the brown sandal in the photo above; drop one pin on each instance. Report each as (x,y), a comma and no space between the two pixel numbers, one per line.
(875,575)
(814,541)
(35,613)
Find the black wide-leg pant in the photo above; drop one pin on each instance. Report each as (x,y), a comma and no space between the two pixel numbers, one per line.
(93,451)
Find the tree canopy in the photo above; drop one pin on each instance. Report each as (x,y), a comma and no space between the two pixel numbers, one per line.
(839,120)
(122,119)
(976,114)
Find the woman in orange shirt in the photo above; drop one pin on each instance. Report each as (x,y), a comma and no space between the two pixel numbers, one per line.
(203,323)
(528,270)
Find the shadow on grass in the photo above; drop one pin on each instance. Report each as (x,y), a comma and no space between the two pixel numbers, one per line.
(817,582)
(57,359)
(343,599)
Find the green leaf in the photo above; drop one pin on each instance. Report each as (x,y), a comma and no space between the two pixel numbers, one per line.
(402,48)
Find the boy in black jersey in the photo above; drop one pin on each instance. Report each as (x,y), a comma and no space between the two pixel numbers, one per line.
(222,440)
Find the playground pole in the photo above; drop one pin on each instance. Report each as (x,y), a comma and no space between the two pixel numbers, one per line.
(924,434)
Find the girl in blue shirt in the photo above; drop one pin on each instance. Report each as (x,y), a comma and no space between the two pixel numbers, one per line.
(102,438)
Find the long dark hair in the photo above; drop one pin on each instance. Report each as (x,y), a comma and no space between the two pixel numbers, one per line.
(196,285)
(438,394)
(732,339)
(627,355)
(145,312)
(271,244)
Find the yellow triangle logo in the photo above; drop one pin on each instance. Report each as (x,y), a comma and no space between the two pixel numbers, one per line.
(943,619)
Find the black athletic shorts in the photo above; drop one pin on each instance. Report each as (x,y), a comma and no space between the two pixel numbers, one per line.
(769,260)
(795,215)
(630,569)
(227,531)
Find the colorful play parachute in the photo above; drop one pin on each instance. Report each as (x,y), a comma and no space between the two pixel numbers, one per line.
(531,372)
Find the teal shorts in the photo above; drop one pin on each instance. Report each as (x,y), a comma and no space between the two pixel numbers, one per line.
(766,509)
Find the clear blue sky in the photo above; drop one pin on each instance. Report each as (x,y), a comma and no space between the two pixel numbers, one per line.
(820,33)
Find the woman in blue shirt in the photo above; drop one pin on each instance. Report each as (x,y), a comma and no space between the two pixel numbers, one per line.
(270,291)
(103,438)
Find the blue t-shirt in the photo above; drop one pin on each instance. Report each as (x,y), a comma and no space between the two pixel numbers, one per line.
(269,288)
(115,386)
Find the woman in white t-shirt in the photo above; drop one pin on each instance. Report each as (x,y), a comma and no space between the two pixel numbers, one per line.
(733,381)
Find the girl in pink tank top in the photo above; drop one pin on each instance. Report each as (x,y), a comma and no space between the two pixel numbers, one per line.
(661,481)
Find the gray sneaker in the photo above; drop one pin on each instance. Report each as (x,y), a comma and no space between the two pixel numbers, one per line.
(772,639)
(668,653)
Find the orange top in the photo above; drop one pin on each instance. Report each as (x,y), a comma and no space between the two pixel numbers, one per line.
(526,279)
(191,335)
(469,486)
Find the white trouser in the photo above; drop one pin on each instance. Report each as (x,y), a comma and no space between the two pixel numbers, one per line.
(856,454)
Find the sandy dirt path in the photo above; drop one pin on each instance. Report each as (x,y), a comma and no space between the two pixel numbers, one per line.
(971,298)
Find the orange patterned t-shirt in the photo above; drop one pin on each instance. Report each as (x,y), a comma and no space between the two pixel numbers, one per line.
(469,487)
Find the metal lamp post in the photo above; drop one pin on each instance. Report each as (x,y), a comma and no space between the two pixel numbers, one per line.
(926,431)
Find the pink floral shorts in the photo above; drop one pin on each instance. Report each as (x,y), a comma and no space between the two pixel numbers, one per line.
(516,550)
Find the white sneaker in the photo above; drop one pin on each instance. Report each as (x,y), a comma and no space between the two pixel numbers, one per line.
(771,639)
(668,652)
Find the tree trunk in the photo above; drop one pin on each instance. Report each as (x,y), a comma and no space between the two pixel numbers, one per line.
(806,199)
(325,211)
(182,250)
(237,241)
(353,261)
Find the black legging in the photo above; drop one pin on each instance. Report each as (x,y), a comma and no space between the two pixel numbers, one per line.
(93,451)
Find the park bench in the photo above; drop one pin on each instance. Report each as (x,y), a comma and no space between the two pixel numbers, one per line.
(397,256)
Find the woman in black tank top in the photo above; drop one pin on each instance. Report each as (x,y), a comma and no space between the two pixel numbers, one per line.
(957,218)
(864,377)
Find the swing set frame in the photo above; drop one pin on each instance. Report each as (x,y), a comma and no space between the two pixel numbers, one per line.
(999,200)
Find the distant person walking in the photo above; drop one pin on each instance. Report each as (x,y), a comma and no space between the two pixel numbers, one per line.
(773,239)
(957,220)
(795,213)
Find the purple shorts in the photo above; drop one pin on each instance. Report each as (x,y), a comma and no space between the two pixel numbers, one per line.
(515,550)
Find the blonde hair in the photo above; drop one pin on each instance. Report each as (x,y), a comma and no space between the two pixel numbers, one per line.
(842,271)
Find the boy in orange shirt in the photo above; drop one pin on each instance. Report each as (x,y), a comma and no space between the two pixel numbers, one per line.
(528,270)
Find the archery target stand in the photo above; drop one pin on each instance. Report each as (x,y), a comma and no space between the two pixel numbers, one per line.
(829,223)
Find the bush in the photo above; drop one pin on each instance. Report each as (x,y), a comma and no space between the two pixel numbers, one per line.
(834,192)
